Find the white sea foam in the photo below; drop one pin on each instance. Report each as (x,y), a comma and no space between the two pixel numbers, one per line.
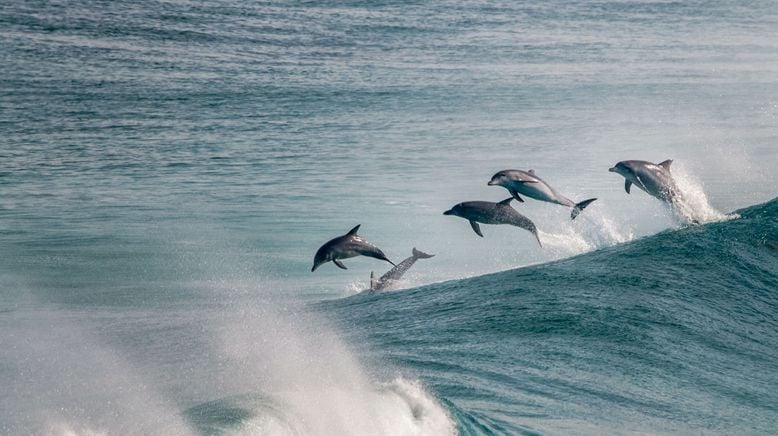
(400,407)
(316,384)
(68,429)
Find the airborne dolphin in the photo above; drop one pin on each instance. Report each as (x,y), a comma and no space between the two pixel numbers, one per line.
(397,272)
(344,247)
(527,183)
(655,179)
(487,212)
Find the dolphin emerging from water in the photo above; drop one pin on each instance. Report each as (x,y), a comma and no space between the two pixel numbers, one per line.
(527,183)
(655,179)
(487,212)
(344,247)
(395,273)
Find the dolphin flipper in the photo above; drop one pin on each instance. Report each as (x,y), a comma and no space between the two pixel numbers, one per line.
(627,185)
(476,228)
(338,263)
(516,195)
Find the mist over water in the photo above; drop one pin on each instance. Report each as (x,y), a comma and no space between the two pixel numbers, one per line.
(170,168)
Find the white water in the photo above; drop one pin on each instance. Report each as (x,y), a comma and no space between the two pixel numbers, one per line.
(316,384)
(694,204)
(400,407)
(74,380)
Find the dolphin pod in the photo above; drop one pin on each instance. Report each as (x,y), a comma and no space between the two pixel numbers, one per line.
(654,179)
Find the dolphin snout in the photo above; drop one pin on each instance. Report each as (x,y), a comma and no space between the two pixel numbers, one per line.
(612,169)
(491,183)
(448,212)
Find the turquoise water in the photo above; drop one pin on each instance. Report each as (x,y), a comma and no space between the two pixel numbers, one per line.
(170,168)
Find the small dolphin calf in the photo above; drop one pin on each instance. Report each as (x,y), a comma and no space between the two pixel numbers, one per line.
(487,212)
(395,273)
(655,179)
(344,247)
(527,183)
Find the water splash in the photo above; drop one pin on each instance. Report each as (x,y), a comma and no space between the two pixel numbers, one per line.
(311,383)
(66,429)
(693,205)
(590,232)
(70,382)
(400,407)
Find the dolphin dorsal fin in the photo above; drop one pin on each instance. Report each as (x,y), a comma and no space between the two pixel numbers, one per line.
(531,172)
(354,230)
(666,164)
(506,202)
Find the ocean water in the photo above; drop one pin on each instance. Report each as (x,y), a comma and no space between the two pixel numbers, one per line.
(169,169)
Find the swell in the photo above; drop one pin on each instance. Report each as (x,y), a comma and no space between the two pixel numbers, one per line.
(673,332)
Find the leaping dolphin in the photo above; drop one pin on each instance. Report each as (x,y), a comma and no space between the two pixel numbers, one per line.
(655,179)
(487,212)
(344,247)
(397,272)
(527,183)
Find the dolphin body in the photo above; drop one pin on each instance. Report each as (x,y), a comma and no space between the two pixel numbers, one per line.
(487,212)
(655,179)
(344,247)
(527,183)
(397,272)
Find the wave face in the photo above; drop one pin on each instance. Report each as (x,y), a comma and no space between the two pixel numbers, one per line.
(677,332)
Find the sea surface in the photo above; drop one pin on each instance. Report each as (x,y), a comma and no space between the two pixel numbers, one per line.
(169,168)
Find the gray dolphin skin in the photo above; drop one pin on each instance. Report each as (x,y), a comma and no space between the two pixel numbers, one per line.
(344,247)
(394,274)
(527,183)
(486,212)
(653,178)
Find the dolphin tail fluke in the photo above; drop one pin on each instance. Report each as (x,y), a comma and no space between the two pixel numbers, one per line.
(579,207)
(420,254)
